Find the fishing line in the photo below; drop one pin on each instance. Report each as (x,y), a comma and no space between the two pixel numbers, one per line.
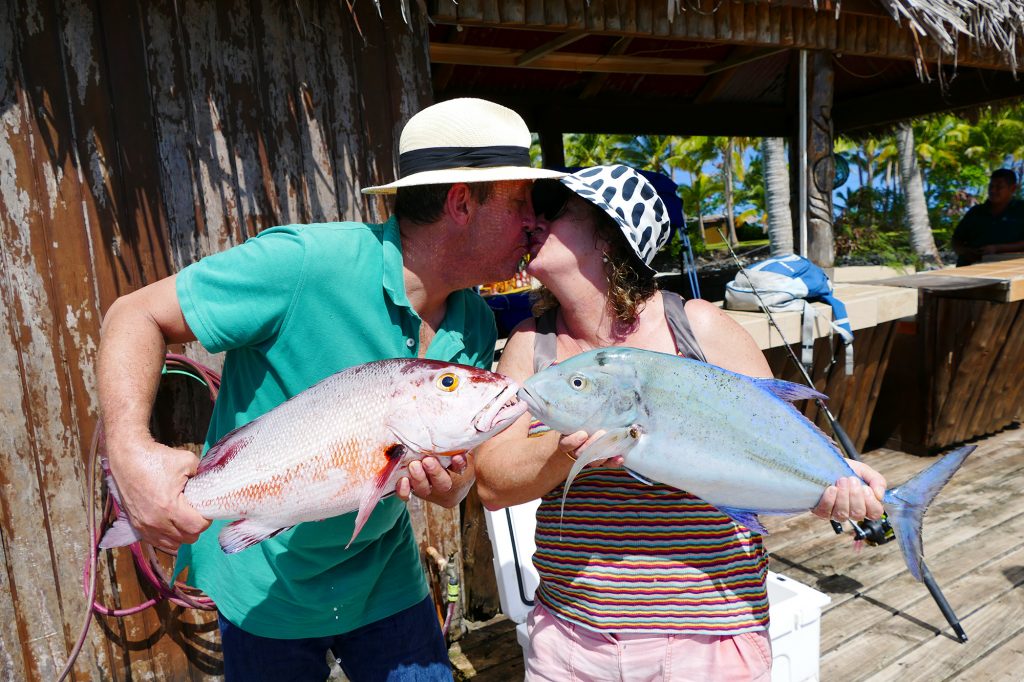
(876,531)
(840,433)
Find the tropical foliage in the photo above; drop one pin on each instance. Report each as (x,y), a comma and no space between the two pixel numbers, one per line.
(724,179)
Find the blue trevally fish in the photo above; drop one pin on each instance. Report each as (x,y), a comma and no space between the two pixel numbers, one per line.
(734,441)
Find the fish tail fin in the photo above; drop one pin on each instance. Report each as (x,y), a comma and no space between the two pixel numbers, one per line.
(120,533)
(109,478)
(907,504)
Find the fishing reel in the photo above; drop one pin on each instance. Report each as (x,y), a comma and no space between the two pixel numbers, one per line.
(870,531)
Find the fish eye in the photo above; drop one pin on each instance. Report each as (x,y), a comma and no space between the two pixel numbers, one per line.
(578,382)
(448,382)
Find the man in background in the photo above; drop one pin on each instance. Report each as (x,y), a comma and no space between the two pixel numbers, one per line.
(996,226)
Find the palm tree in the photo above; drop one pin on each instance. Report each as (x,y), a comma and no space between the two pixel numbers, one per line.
(591,149)
(875,154)
(690,155)
(921,238)
(776,185)
(651,152)
(997,138)
(699,197)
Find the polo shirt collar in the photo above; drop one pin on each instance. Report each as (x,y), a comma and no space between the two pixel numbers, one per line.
(394,272)
(448,341)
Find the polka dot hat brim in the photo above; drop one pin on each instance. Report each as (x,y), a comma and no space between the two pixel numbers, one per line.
(631,201)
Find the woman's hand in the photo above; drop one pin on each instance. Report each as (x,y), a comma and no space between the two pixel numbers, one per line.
(573,445)
(852,497)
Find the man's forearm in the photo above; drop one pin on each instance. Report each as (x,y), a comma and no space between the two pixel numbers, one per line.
(131,354)
(1008,247)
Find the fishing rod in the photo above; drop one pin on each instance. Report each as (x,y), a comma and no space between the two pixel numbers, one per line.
(873,532)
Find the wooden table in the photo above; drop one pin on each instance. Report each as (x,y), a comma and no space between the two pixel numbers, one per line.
(959,372)
(873,312)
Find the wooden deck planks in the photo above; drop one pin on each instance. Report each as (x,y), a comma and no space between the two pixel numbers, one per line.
(881,624)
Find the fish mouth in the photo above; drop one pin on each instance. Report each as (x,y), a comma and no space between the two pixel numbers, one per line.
(548,413)
(532,402)
(504,408)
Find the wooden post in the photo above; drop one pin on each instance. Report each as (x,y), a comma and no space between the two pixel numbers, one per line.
(552,148)
(820,163)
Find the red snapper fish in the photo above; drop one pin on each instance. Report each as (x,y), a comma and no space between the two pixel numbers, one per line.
(340,446)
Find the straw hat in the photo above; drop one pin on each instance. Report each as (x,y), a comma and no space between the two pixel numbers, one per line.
(463,140)
(631,201)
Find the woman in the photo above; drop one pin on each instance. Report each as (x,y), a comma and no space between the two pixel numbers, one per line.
(638,582)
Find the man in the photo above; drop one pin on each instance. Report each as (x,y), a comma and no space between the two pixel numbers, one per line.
(996,226)
(290,307)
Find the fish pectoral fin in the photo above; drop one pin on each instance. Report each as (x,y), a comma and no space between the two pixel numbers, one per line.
(642,479)
(245,533)
(380,486)
(609,444)
(745,518)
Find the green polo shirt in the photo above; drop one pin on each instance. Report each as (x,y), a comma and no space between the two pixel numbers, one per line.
(291,307)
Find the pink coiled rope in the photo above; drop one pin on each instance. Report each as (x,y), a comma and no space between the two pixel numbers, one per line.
(146,561)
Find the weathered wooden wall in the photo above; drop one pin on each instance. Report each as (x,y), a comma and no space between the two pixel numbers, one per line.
(136,137)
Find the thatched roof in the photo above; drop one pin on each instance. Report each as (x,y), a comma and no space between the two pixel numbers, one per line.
(724,66)
(997,24)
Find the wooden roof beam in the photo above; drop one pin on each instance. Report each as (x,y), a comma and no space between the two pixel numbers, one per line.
(597,81)
(551,112)
(886,107)
(722,73)
(476,55)
(741,56)
(443,73)
(558,43)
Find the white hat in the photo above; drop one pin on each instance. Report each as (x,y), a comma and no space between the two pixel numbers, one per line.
(463,140)
(631,201)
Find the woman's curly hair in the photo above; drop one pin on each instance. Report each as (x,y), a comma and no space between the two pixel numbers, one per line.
(630,284)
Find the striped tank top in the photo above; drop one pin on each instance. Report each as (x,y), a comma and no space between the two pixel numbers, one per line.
(630,557)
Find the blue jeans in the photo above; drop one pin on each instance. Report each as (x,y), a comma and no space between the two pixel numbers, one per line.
(405,647)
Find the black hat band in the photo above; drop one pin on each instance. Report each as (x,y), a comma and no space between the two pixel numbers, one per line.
(444,158)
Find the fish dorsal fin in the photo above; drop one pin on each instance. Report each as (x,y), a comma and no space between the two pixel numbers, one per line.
(745,518)
(374,490)
(789,391)
(245,533)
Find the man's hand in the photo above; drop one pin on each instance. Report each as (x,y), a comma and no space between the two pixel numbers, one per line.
(430,481)
(849,498)
(151,480)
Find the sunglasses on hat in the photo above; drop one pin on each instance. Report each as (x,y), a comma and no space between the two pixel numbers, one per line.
(550,198)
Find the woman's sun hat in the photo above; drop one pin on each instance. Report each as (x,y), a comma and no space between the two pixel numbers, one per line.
(631,201)
(463,140)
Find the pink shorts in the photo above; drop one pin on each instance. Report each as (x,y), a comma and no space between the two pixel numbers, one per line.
(561,651)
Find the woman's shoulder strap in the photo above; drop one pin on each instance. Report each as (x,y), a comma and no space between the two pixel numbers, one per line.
(545,344)
(682,333)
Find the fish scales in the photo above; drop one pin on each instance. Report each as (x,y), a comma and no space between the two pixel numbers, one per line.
(326,464)
(341,445)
